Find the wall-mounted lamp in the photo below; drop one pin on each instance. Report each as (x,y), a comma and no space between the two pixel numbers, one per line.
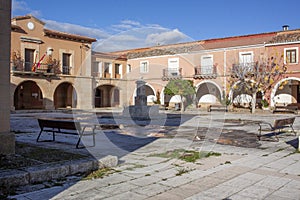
(49,51)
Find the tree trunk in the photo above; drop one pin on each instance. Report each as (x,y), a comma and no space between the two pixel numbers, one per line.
(253,102)
(182,105)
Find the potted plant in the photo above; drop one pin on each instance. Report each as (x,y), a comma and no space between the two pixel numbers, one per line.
(265,104)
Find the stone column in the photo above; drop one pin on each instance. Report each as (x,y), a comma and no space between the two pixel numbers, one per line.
(7,139)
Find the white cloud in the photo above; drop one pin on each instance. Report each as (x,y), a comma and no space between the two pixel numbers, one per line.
(166,37)
(21,7)
(128,34)
(76,29)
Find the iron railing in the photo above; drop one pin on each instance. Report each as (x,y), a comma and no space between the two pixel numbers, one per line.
(209,71)
(172,73)
(28,67)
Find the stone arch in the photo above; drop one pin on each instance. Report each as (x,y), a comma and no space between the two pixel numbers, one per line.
(107,96)
(208,92)
(290,92)
(149,92)
(28,95)
(242,98)
(65,96)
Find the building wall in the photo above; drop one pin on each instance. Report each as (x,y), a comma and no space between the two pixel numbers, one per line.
(80,63)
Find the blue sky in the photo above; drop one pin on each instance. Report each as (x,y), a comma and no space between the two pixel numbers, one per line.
(125,24)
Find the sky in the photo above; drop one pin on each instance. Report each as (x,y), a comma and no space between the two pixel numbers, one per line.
(126,24)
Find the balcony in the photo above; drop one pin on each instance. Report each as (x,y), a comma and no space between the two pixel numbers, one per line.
(106,75)
(245,69)
(169,74)
(66,70)
(27,68)
(205,72)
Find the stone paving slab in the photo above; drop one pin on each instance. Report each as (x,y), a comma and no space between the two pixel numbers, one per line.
(268,172)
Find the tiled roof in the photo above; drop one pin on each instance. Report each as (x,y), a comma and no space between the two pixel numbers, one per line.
(110,56)
(68,36)
(27,17)
(208,44)
(286,36)
(16,28)
(236,41)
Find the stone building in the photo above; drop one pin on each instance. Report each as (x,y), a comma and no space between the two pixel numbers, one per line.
(208,63)
(49,69)
(52,70)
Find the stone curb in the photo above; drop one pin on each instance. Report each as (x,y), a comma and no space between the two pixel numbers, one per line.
(46,172)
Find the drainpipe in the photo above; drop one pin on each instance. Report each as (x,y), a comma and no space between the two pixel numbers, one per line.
(224,73)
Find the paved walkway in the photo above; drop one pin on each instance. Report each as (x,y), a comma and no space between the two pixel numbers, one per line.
(269,171)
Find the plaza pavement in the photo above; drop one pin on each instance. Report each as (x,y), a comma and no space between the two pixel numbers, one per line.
(269,170)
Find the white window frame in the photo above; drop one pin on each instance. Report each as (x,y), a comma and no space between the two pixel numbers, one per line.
(205,70)
(245,52)
(297,56)
(128,68)
(144,69)
(72,61)
(173,71)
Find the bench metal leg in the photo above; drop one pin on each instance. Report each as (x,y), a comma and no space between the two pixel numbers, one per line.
(53,134)
(276,135)
(37,139)
(293,130)
(81,134)
(259,133)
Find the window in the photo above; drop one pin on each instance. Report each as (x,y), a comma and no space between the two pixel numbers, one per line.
(29,56)
(173,66)
(117,68)
(107,70)
(207,64)
(128,68)
(144,67)
(291,55)
(66,61)
(97,68)
(246,58)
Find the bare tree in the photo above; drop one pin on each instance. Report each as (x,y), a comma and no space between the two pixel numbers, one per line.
(257,76)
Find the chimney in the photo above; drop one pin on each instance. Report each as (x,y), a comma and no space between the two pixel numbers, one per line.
(285,27)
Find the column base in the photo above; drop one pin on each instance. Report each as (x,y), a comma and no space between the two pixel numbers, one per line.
(7,143)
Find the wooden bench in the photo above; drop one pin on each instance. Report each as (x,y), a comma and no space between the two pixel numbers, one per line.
(288,108)
(217,107)
(57,125)
(279,124)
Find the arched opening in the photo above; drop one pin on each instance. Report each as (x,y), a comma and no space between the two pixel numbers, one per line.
(241,98)
(107,96)
(150,94)
(65,96)
(287,92)
(208,93)
(28,95)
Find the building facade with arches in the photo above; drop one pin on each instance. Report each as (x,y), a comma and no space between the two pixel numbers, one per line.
(49,69)
(53,70)
(209,64)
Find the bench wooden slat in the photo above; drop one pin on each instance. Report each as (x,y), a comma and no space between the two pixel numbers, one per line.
(277,125)
(56,125)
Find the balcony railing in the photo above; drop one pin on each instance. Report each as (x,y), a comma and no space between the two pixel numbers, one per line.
(66,70)
(106,75)
(21,67)
(249,66)
(246,69)
(203,72)
(170,73)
